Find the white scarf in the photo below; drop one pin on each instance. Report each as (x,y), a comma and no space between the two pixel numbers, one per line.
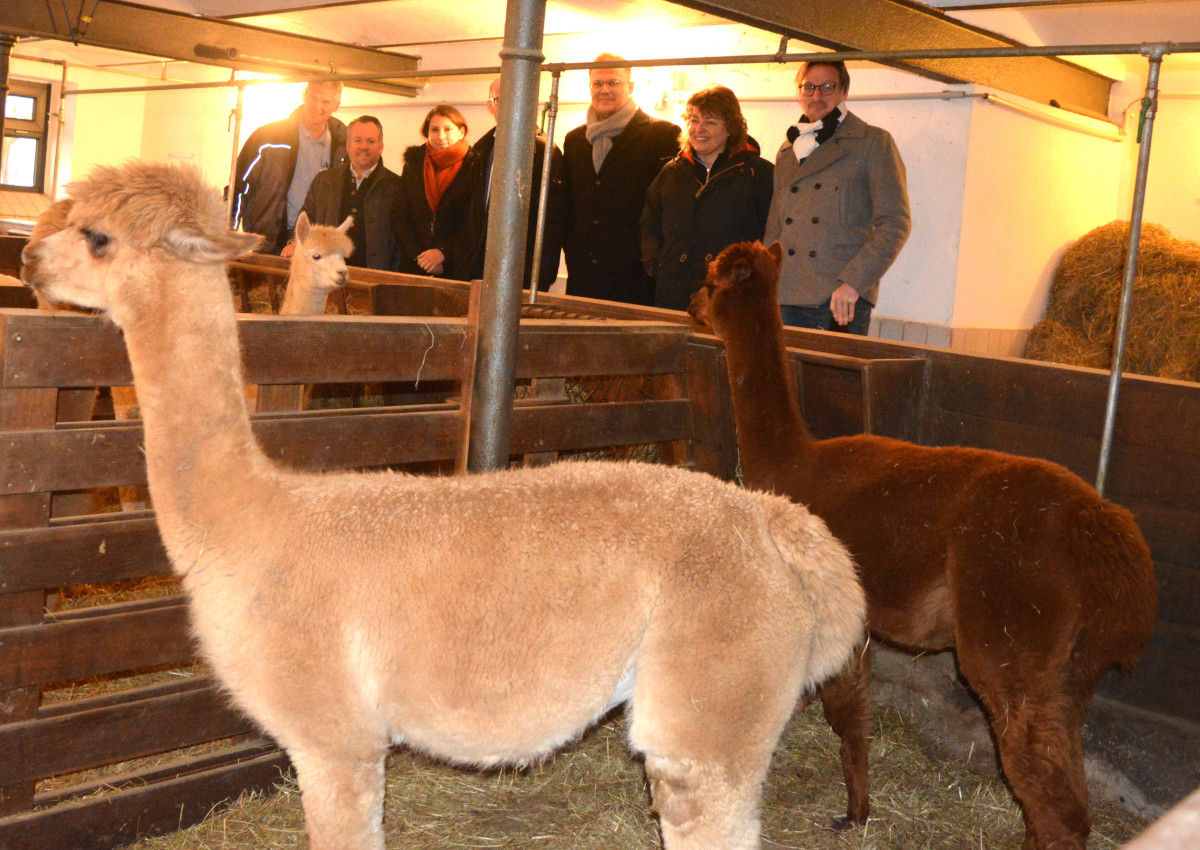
(601,132)
(806,133)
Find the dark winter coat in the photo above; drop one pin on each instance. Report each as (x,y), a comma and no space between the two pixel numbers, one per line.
(264,173)
(602,246)
(451,231)
(556,213)
(332,196)
(693,213)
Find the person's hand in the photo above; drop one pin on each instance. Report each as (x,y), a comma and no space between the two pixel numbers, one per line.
(842,304)
(288,250)
(431,261)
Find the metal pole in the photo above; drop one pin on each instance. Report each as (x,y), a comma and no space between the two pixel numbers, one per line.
(539,233)
(237,146)
(508,223)
(1146,129)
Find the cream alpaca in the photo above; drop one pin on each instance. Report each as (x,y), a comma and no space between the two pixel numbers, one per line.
(318,267)
(350,612)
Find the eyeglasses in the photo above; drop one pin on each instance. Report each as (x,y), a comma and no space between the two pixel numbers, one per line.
(809,89)
(597,85)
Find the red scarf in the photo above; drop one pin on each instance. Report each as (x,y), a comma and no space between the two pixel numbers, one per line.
(441,167)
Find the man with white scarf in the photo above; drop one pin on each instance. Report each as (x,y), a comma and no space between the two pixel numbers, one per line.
(610,162)
(839,210)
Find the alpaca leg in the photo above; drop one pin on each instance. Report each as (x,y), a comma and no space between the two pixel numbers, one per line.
(1038,735)
(343,799)
(699,808)
(846,700)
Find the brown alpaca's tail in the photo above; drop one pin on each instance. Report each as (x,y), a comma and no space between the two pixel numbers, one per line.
(826,571)
(1122,591)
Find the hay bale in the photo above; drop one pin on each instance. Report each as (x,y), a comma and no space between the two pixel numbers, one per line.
(1164,323)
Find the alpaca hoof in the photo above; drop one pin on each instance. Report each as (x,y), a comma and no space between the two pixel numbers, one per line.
(843,823)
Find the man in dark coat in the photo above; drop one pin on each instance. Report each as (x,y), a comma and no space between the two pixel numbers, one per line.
(362,188)
(611,161)
(279,161)
(555,219)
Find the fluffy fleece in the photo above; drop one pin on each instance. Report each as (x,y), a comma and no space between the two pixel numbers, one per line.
(485,619)
(1036,582)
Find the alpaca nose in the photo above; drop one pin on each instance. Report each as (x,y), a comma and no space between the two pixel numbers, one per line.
(343,277)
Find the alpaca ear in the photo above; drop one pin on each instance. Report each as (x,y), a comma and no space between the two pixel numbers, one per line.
(303,228)
(347,224)
(205,248)
(776,252)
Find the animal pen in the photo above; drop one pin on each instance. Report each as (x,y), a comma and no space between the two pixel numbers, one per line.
(112,683)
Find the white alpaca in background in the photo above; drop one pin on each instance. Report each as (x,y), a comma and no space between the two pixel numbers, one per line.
(351,612)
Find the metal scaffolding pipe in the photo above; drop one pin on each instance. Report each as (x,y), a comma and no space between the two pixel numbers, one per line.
(1145,131)
(236,118)
(539,234)
(747,59)
(500,304)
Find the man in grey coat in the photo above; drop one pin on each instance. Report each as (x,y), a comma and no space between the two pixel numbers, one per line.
(839,210)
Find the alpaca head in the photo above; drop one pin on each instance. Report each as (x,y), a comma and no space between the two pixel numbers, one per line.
(319,262)
(122,226)
(742,283)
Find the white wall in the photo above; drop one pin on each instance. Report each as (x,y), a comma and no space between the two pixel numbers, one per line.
(1032,188)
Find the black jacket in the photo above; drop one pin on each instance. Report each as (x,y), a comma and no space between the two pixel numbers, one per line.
(264,173)
(603,259)
(451,231)
(373,232)
(556,221)
(693,213)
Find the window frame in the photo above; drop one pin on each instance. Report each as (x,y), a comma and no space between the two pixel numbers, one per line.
(34,128)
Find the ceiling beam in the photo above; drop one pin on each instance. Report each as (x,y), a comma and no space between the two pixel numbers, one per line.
(209,41)
(900,25)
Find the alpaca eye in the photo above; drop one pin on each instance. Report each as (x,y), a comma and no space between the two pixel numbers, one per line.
(96,240)
(316,256)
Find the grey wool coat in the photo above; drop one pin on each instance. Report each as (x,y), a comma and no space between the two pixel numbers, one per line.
(841,215)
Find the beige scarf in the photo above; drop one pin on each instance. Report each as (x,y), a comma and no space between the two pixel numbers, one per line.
(602,132)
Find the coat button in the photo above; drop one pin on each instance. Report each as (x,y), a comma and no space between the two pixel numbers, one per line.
(795,189)
(595,221)
(595,262)
(816,185)
(791,251)
(816,220)
(787,221)
(812,253)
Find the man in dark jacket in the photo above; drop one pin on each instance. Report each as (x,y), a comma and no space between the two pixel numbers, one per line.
(611,161)
(279,161)
(362,188)
(555,219)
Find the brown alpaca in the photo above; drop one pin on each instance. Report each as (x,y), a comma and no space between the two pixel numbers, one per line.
(350,612)
(1037,583)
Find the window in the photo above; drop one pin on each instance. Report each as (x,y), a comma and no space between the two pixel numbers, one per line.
(23,157)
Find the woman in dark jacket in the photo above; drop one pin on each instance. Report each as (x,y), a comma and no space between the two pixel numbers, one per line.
(438,180)
(714,194)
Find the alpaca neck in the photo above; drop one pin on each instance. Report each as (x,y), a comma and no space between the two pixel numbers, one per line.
(302,298)
(772,435)
(186,364)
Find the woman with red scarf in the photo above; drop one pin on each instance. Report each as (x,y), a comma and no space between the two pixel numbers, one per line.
(714,194)
(438,180)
